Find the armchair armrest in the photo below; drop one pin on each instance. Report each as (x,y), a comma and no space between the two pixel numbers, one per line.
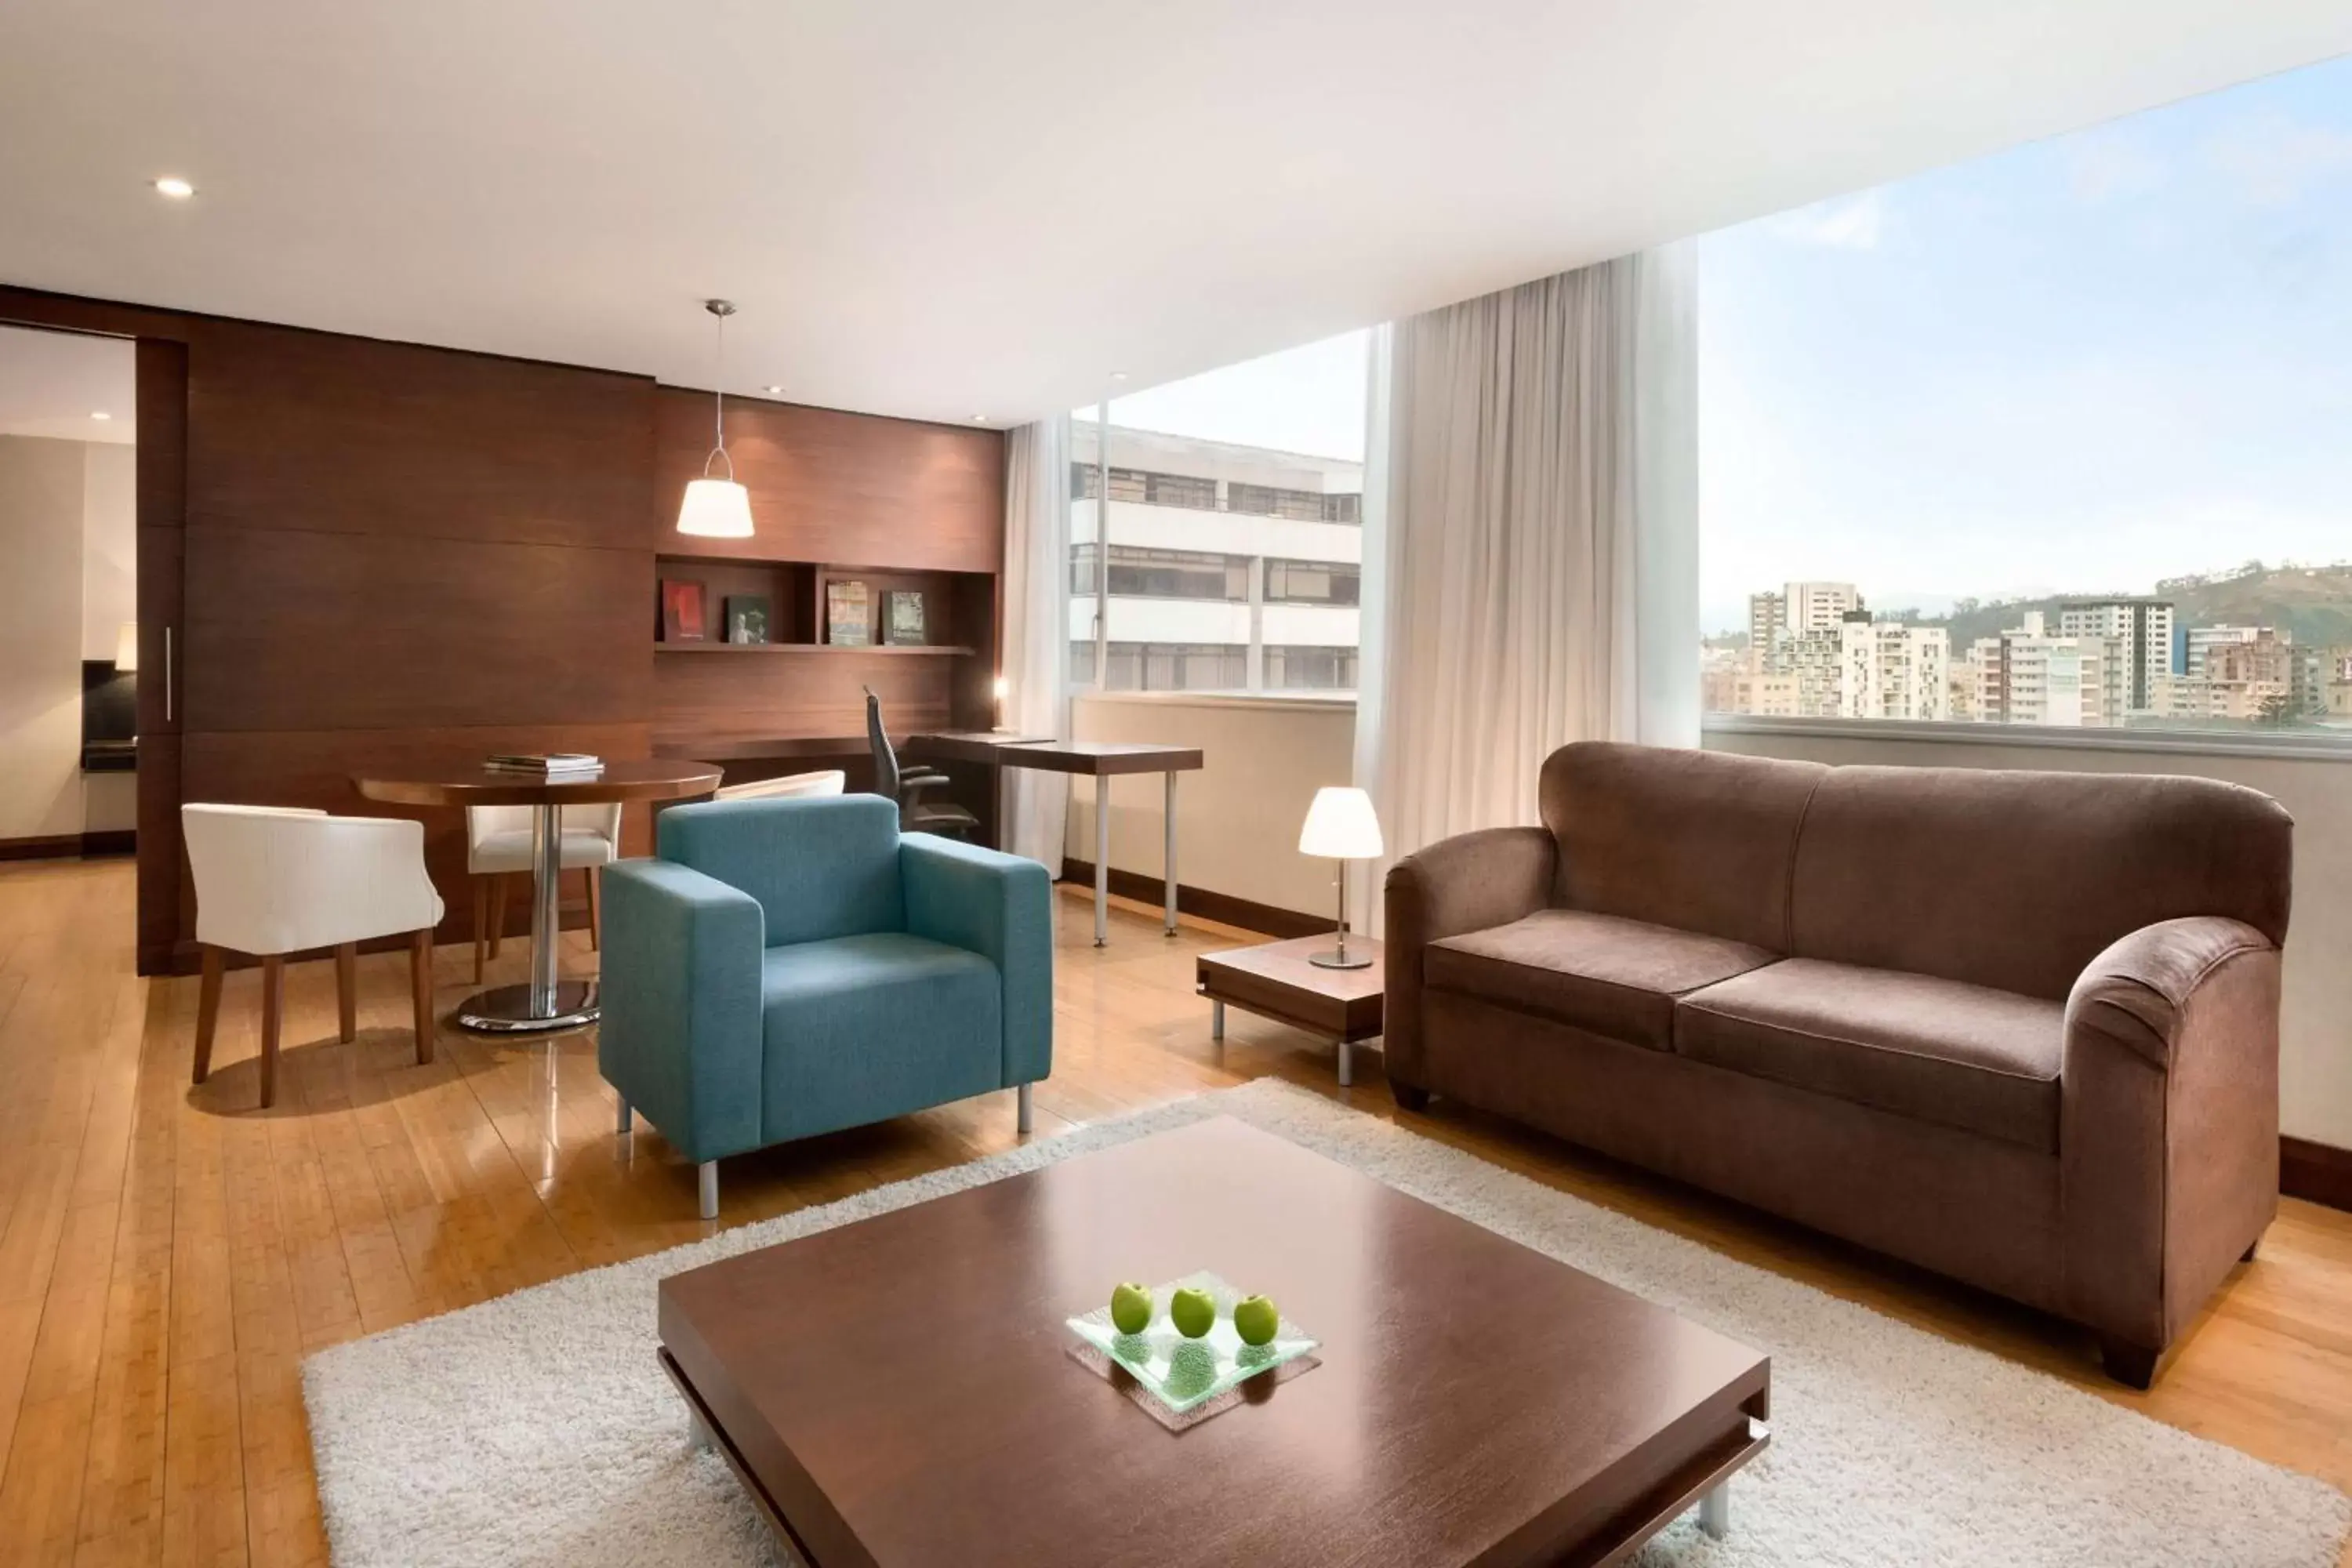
(1000,907)
(2168,1125)
(1466,883)
(682,1037)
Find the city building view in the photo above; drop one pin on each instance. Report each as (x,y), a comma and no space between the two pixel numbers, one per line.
(1227,568)
(2259,647)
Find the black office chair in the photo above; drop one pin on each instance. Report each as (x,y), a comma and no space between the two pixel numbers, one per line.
(904,784)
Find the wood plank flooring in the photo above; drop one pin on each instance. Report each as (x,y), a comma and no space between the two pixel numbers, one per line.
(168,1254)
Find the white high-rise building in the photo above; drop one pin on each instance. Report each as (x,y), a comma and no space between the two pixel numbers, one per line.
(1891,671)
(2029,676)
(1819,607)
(1231,568)
(2143,629)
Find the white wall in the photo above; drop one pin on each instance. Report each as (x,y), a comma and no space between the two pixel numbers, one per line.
(41,484)
(2315,1046)
(1236,819)
(109,596)
(109,544)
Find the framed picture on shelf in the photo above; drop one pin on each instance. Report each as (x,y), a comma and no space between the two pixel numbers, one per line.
(684,618)
(903,622)
(848,614)
(747,617)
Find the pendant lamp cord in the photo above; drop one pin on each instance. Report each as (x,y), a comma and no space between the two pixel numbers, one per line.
(719,398)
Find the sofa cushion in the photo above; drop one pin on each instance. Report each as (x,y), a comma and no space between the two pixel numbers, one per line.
(1616,977)
(863,1028)
(1965,1056)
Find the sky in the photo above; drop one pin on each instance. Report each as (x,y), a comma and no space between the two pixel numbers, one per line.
(1308,399)
(2078,366)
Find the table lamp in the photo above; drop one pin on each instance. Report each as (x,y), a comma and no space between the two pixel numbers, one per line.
(1341,825)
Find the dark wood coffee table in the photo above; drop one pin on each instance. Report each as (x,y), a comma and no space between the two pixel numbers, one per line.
(1277,980)
(898,1391)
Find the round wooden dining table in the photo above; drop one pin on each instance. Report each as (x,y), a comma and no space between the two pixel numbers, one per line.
(546,1003)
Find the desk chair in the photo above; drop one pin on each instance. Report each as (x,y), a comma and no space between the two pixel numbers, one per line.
(902,786)
(273,881)
(497,846)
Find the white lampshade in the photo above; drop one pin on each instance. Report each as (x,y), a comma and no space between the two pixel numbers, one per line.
(716,508)
(126,648)
(1341,825)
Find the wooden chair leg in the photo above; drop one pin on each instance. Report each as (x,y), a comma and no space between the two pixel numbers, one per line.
(498,912)
(273,1014)
(208,991)
(420,987)
(347,993)
(595,914)
(481,923)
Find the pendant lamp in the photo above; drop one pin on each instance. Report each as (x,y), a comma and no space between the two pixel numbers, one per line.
(714,508)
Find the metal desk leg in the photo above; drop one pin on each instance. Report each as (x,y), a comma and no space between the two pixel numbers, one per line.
(1347,1065)
(547,1003)
(1171,853)
(1102,859)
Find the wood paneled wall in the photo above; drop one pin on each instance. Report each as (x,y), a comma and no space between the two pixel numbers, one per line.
(385,556)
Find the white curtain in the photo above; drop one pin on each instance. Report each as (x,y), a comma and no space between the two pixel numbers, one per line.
(1531,542)
(1035,658)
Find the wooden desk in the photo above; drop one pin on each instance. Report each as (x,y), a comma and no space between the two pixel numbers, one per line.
(546,1003)
(1098,759)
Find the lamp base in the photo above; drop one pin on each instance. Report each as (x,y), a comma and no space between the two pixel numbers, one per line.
(1338,960)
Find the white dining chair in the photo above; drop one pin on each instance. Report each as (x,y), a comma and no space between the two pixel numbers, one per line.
(829,782)
(497,846)
(273,881)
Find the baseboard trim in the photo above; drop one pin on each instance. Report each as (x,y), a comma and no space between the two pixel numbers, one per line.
(1222,908)
(2317,1172)
(112,841)
(47,846)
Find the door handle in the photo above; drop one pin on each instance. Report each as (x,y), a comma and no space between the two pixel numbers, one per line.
(167,675)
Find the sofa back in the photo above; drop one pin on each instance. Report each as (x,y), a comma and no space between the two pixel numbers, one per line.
(2017,880)
(1701,841)
(821,866)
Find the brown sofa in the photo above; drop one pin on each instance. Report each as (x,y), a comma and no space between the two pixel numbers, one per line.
(2020,1028)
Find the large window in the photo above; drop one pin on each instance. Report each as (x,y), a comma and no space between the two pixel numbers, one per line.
(1232,502)
(2061,437)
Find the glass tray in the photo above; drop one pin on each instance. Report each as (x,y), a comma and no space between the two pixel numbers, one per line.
(1186,1377)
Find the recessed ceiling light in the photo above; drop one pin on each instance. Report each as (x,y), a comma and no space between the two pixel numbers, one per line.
(99,414)
(979,418)
(172,185)
(773,390)
(1119,375)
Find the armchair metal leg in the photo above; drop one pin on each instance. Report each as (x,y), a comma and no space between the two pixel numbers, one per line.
(1020,1116)
(708,1172)
(625,1122)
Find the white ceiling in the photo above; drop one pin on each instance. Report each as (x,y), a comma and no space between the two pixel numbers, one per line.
(51,382)
(955,209)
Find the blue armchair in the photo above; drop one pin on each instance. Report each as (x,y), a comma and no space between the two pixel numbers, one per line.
(787,967)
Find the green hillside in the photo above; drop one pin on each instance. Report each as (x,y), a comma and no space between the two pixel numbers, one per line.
(2313,603)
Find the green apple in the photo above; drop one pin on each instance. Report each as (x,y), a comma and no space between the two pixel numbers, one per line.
(1256,1320)
(1194,1313)
(1130,1309)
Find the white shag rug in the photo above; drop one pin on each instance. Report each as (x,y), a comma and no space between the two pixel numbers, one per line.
(537,1429)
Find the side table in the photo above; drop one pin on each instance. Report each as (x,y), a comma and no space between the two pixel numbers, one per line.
(1276,981)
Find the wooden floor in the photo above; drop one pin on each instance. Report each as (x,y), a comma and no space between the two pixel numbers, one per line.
(169,1255)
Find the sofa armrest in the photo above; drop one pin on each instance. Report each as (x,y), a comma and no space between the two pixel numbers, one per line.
(682,1037)
(1466,883)
(2167,1121)
(2137,992)
(1000,907)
